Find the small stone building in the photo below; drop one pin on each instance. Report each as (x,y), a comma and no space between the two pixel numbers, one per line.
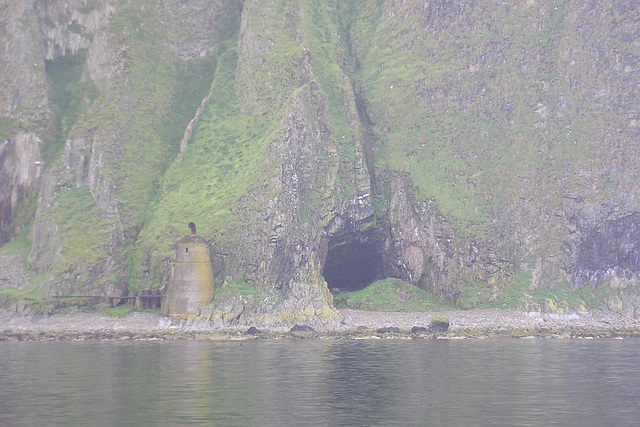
(191,282)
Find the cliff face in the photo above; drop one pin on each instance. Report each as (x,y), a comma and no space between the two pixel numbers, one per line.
(517,124)
(481,151)
(23,102)
(118,83)
(277,158)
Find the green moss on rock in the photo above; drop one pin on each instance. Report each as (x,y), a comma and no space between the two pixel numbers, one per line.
(391,295)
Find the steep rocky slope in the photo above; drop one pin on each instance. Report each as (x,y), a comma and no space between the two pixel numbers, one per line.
(484,152)
(518,124)
(119,83)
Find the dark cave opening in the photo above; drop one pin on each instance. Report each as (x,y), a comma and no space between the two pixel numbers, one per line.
(352,265)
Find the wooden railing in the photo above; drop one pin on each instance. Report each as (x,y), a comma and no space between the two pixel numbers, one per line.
(148,299)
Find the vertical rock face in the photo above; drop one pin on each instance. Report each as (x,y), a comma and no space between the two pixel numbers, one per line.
(23,109)
(489,111)
(420,243)
(313,190)
(608,254)
(425,249)
(67,26)
(20,168)
(23,93)
(191,283)
(68,246)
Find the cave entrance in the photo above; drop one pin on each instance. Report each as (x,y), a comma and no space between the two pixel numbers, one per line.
(353,265)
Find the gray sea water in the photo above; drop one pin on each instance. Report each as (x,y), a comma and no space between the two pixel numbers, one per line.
(326,383)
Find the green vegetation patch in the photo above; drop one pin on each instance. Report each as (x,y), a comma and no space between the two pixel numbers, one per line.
(20,244)
(480,134)
(154,106)
(86,233)
(224,160)
(15,293)
(119,311)
(23,216)
(391,295)
(516,294)
(561,298)
(69,96)
(8,127)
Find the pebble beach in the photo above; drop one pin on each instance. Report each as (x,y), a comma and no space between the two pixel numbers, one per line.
(490,323)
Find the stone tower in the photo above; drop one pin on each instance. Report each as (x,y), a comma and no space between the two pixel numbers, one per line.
(191,282)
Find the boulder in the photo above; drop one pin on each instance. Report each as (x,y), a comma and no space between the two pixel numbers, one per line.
(253,331)
(388,330)
(439,324)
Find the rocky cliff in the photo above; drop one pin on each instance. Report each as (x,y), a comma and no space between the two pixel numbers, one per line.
(484,152)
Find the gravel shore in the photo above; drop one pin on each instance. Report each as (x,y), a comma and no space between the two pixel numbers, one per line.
(495,320)
(356,323)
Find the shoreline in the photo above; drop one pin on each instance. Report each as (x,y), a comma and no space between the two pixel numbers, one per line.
(356,324)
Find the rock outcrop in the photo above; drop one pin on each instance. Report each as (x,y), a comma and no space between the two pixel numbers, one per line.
(20,168)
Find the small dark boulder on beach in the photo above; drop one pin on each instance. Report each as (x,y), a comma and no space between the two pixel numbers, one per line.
(419,330)
(301,328)
(439,324)
(389,330)
(253,331)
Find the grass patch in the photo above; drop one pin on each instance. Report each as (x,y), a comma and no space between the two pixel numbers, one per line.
(18,293)
(20,244)
(8,127)
(119,311)
(391,295)
(224,160)
(24,215)
(567,299)
(515,294)
(86,234)
(160,101)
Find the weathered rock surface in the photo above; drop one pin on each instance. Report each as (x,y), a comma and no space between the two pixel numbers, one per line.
(12,272)
(20,168)
(23,93)
(438,324)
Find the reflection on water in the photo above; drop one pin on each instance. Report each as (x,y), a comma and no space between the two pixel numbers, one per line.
(304,382)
